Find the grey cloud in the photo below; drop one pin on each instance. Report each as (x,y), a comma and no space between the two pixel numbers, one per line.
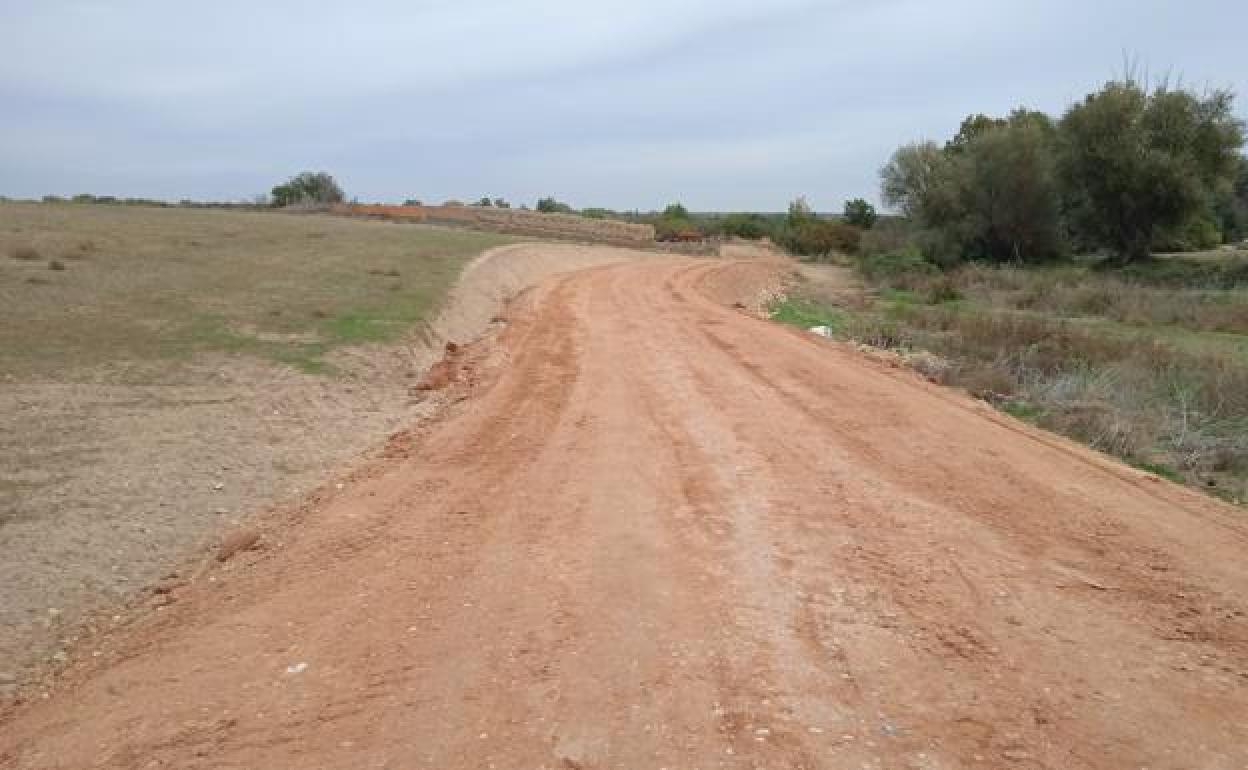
(725,105)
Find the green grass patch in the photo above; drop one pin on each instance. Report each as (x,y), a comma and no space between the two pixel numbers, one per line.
(1022,410)
(805,314)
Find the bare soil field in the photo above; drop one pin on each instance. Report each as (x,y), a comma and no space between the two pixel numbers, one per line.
(649,529)
(189,367)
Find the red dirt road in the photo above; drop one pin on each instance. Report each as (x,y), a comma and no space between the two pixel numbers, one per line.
(660,533)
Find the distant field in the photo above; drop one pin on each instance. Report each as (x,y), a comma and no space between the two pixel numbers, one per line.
(117,293)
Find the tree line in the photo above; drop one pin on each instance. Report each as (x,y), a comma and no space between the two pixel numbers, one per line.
(1127,171)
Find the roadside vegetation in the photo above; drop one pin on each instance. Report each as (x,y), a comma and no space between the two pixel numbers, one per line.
(1085,273)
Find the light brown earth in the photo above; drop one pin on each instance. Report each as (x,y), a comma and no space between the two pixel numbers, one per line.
(656,531)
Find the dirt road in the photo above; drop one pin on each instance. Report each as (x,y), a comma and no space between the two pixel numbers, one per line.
(658,532)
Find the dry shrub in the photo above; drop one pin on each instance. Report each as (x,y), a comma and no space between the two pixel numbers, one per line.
(991,381)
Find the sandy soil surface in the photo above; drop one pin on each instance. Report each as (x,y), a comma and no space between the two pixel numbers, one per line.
(105,488)
(653,530)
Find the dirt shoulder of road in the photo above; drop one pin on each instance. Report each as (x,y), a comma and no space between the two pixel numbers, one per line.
(120,486)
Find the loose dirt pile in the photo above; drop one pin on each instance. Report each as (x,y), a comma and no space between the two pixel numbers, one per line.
(652,530)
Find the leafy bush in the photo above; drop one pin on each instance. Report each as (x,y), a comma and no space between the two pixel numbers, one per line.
(819,239)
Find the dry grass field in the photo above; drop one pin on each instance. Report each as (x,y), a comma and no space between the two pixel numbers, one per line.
(163,372)
(118,294)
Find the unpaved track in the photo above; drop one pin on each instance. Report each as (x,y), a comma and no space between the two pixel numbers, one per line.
(661,533)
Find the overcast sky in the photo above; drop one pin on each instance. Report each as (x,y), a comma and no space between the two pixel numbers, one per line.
(722,104)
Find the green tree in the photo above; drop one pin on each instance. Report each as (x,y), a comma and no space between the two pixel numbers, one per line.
(860,213)
(973,127)
(1008,194)
(1136,164)
(1233,207)
(484,202)
(910,180)
(308,187)
(991,193)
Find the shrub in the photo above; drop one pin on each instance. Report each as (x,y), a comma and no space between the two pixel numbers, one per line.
(819,239)
(894,266)
(888,235)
